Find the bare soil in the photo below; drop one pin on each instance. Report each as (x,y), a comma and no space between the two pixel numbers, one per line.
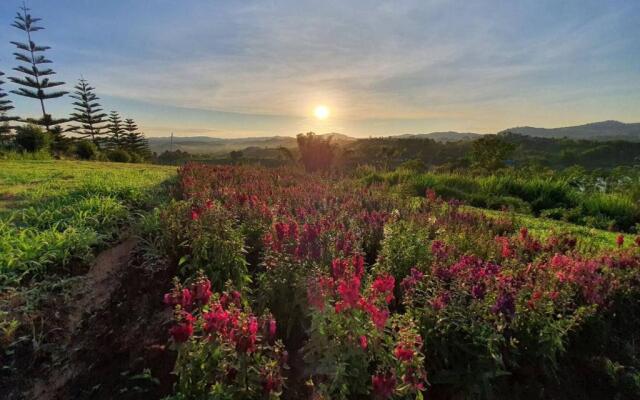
(109,339)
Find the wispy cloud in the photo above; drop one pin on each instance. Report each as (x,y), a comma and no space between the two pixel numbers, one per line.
(412,64)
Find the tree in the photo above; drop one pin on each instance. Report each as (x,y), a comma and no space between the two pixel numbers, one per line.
(31,138)
(5,107)
(316,153)
(116,130)
(491,152)
(134,140)
(88,112)
(236,156)
(35,82)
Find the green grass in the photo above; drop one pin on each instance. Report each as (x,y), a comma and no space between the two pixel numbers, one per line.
(590,240)
(54,215)
(551,197)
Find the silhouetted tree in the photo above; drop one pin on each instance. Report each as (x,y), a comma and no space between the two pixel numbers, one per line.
(134,140)
(88,113)
(5,107)
(491,152)
(316,153)
(116,131)
(35,82)
(236,156)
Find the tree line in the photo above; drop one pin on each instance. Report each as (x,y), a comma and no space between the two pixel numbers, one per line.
(88,132)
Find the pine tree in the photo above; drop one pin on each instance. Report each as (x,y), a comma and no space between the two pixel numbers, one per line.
(35,81)
(88,115)
(116,140)
(5,107)
(134,140)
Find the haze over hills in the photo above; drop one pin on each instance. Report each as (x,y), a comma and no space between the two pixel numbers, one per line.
(605,130)
(602,131)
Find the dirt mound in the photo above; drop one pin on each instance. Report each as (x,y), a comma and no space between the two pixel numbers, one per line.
(114,334)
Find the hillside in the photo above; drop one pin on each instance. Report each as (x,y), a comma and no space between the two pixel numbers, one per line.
(605,130)
(449,136)
(218,146)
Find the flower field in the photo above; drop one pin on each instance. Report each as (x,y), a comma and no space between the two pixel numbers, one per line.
(292,285)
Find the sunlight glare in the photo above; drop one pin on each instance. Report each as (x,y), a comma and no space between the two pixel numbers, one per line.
(321,112)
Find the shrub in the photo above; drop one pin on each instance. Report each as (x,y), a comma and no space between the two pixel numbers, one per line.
(202,237)
(350,351)
(32,138)
(224,350)
(86,150)
(119,155)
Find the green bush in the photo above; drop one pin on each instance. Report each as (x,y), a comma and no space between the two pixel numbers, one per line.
(32,138)
(86,150)
(119,155)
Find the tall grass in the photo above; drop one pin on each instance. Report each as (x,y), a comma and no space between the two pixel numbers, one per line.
(536,195)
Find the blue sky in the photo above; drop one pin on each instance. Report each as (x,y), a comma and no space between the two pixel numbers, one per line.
(257,68)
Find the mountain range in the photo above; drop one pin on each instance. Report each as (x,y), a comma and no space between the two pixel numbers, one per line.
(601,131)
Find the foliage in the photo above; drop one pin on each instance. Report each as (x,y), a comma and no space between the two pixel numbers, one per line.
(31,138)
(552,196)
(316,153)
(224,350)
(119,155)
(375,287)
(115,126)
(134,141)
(88,113)
(207,241)
(36,82)
(86,150)
(490,152)
(55,214)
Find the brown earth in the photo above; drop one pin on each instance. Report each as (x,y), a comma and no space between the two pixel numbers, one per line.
(109,338)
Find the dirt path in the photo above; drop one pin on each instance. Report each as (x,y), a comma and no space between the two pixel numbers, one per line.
(115,330)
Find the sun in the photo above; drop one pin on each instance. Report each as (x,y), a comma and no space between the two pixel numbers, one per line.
(321,112)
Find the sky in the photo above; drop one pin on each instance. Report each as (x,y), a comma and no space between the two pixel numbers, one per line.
(259,68)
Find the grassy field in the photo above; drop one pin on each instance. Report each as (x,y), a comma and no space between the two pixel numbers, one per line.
(56,214)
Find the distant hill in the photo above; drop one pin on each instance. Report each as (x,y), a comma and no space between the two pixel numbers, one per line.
(212,145)
(449,136)
(601,131)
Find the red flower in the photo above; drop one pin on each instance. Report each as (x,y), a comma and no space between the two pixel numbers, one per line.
(363,342)
(202,291)
(195,215)
(216,320)
(403,352)
(183,330)
(620,240)
(383,385)
(383,285)
(349,293)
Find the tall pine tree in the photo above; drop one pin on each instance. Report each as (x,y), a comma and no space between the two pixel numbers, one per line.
(5,107)
(35,82)
(135,141)
(116,130)
(88,113)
